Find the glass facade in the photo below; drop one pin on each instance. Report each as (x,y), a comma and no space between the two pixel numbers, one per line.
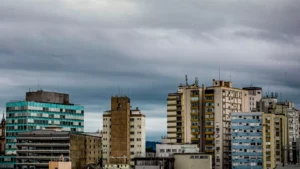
(247,140)
(26,116)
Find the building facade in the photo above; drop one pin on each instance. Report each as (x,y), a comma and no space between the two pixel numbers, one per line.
(258,140)
(247,140)
(286,110)
(184,114)
(192,161)
(201,115)
(35,149)
(219,101)
(255,95)
(33,114)
(124,134)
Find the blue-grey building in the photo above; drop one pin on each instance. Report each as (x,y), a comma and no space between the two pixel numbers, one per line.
(247,140)
(39,110)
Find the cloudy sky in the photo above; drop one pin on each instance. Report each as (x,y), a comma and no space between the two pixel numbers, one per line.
(90,47)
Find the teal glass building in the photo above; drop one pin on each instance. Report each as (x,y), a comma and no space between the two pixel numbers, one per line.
(31,115)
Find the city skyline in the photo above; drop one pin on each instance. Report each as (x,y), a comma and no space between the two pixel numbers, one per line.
(84,50)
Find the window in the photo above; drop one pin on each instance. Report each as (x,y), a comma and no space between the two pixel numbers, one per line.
(162,150)
(174,151)
(168,150)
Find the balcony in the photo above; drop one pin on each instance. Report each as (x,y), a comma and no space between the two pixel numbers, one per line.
(43,151)
(209,151)
(209,139)
(210,133)
(44,144)
(43,157)
(33,164)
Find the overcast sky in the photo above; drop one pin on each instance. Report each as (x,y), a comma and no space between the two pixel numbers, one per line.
(90,47)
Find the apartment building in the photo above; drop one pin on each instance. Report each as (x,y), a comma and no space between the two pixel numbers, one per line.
(35,149)
(247,140)
(285,109)
(255,95)
(39,110)
(201,115)
(184,114)
(124,134)
(258,140)
(219,101)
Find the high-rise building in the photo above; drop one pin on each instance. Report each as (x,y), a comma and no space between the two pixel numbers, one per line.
(184,114)
(219,101)
(247,140)
(285,109)
(258,140)
(201,115)
(255,95)
(124,134)
(35,149)
(39,110)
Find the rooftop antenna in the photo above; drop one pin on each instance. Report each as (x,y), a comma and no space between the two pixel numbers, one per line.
(286,94)
(230,77)
(186,80)
(196,81)
(219,74)
(118,90)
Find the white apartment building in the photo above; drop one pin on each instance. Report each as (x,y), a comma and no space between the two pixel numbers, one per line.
(220,100)
(255,95)
(132,145)
(168,150)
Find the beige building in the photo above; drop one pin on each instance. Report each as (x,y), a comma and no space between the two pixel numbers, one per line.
(124,134)
(60,165)
(184,110)
(285,109)
(275,140)
(192,161)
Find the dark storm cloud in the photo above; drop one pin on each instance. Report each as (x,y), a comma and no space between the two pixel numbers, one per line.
(90,48)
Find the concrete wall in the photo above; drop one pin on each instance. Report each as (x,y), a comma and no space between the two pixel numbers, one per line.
(188,161)
(84,150)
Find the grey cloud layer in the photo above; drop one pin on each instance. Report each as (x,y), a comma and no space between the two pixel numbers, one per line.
(90,47)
